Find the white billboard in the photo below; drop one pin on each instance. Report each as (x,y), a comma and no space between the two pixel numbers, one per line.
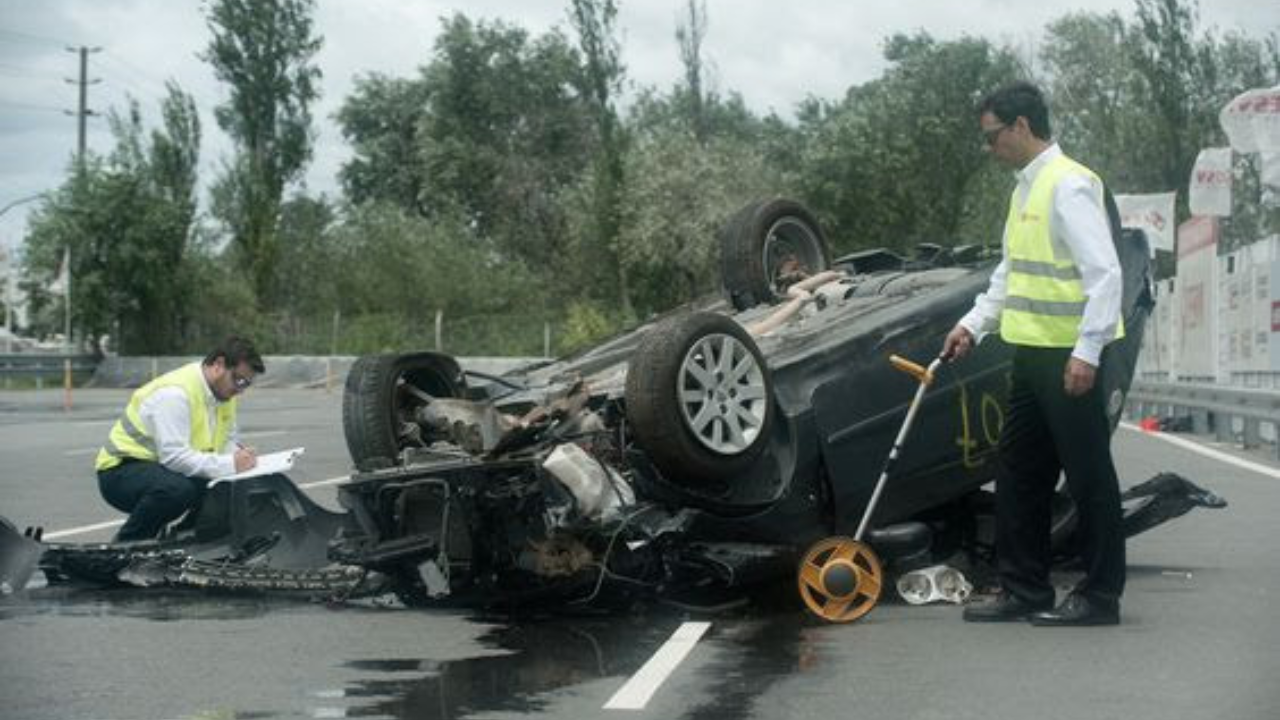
(1153,213)
(1197,295)
(1210,188)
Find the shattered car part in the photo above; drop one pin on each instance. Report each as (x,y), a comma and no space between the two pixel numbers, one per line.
(19,553)
(939,582)
(259,534)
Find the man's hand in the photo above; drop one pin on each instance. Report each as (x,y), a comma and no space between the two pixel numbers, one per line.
(958,343)
(1078,377)
(245,458)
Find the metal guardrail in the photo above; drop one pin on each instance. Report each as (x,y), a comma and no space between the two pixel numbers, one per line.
(43,368)
(1213,409)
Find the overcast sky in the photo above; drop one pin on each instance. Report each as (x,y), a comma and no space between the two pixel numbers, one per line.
(774,53)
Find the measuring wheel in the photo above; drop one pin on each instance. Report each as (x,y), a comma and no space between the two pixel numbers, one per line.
(840,579)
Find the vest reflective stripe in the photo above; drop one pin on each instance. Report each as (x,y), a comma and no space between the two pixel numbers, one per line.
(136,434)
(1045,307)
(1042,269)
(1045,300)
(129,437)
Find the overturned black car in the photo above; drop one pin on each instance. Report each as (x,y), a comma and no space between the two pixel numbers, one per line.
(693,459)
(697,456)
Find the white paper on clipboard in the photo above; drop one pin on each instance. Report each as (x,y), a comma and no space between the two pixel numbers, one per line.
(276,462)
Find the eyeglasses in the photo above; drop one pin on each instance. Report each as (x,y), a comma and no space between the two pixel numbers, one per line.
(992,134)
(241,383)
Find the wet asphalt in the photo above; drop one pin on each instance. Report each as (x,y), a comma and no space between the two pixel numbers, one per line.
(1199,636)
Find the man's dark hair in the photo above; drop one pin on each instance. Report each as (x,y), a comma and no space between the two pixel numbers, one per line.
(235,350)
(1019,99)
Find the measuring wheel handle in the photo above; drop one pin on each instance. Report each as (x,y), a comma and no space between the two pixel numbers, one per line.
(840,578)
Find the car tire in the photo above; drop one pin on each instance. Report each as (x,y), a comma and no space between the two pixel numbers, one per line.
(755,242)
(699,398)
(381,397)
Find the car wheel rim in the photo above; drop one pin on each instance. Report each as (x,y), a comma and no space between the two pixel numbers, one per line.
(722,394)
(790,238)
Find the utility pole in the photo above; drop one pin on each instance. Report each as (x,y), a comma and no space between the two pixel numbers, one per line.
(83,112)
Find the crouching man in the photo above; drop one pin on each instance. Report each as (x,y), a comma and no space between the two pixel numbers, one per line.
(177,433)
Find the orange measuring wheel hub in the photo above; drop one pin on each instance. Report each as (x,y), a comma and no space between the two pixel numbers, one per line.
(840,579)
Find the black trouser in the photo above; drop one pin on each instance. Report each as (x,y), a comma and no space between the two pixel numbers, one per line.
(152,494)
(1046,432)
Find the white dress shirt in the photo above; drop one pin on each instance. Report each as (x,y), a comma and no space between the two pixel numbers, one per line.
(1078,228)
(167,416)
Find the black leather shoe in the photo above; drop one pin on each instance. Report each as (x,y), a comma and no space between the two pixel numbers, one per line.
(1001,607)
(1078,611)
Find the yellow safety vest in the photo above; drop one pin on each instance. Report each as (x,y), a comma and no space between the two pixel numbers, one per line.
(129,437)
(1045,299)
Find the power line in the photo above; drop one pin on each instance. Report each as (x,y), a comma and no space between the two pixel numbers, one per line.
(153,85)
(30,107)
(18,71)
(31,37)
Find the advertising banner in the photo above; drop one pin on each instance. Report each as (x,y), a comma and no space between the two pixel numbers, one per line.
(1252,120)
(1153,213)
(1210,190)
(1252,124)
(1197,295)
(1275,316)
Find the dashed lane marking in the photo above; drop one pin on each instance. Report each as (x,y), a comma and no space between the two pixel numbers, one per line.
(637,691)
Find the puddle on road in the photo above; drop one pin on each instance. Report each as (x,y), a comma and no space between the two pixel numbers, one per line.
(529,667)
(757,653)
(540,659)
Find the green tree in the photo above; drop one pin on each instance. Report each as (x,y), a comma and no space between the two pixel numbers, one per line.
(681,194)
(504,133)
(394,271)
(1173,71)
(898,161)
(494,126)
(382,121)
(690,33)
(1094,89)
(127,220)
(1138,100)
(309,261)
(263,50)
(602,76)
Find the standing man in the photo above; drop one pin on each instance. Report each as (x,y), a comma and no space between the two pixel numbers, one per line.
(177,433)
(1055,297)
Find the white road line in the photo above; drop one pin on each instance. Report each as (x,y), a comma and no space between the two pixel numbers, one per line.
(637,691)
(1207,451)
(82,529)
(69,532)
